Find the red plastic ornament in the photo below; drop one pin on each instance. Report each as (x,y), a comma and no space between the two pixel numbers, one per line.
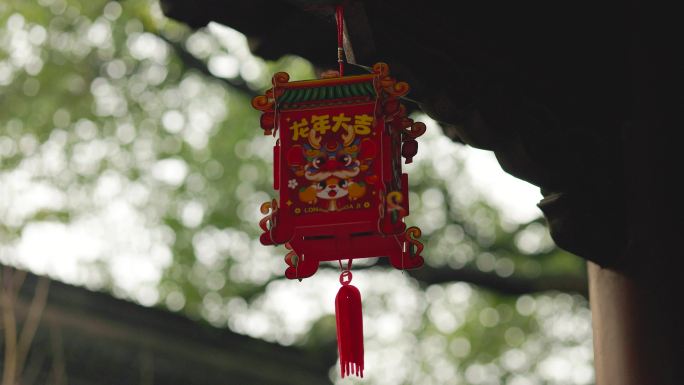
(342,194)
(337,172)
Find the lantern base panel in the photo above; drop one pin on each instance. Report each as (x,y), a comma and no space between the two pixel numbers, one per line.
(400,250)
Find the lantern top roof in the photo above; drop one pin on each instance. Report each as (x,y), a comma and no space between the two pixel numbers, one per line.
(351,89)
(330,81)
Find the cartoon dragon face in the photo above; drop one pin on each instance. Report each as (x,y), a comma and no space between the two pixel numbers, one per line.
(330,167)
(333,159)
(343,158)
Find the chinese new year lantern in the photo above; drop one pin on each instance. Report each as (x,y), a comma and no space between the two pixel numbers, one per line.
(338,176)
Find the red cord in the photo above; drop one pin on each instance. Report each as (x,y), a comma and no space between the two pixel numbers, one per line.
(339,16)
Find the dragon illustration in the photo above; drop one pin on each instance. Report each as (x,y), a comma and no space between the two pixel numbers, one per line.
(331,167)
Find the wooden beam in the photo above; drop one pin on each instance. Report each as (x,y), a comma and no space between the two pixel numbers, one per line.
(106,340)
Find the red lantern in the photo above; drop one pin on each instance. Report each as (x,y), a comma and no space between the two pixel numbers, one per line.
(342,193)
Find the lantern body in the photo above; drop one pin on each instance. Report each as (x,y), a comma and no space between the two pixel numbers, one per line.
(337,170)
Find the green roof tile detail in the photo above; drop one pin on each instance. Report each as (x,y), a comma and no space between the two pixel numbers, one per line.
(317,94)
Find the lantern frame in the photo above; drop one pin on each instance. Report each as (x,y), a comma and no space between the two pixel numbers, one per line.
(367,157)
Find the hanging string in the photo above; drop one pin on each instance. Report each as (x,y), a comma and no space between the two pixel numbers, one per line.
(339,17)
(349,265)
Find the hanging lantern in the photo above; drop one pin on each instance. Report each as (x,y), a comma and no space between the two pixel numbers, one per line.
(341,191)
(338,175)
(337,170)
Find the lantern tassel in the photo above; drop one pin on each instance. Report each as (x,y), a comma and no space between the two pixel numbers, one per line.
(349,327)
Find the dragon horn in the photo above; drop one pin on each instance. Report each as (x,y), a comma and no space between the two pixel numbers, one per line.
(349,137)
(314,140)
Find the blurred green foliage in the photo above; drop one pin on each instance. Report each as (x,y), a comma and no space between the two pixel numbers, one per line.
(132,137)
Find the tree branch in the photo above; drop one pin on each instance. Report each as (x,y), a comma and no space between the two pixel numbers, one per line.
(9,293)
(513,285)
(509,285)
(192,62)
(32,321)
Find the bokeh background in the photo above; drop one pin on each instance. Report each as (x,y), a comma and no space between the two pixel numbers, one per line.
(132,163)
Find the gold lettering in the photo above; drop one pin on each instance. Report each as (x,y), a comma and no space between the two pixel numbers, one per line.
(340,121)
(362,124)
(321,123)
(299,129)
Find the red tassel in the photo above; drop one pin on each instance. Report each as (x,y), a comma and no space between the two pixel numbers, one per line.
(349,327)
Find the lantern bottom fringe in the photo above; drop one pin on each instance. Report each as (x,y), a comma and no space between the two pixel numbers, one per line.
(349,368)
(349,328)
